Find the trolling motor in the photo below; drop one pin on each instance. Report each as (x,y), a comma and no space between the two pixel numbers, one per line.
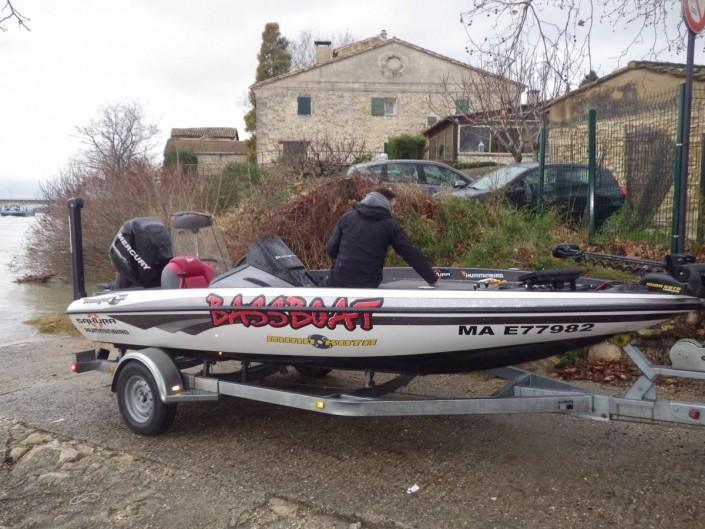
(681,274)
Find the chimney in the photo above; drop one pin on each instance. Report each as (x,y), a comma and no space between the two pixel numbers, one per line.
(532,97)
(323,51)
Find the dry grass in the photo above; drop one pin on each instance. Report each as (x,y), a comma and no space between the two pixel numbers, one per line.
(54,324)
(303,216)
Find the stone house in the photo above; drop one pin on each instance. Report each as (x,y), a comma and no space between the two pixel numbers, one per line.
(215,147)
(366,91)
(636,83)
(637,122)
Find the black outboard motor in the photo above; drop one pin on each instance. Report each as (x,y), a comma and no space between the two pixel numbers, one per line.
(139,252)
(269,263)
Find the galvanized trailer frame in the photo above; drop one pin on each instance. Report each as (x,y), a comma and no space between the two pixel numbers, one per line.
(524,392)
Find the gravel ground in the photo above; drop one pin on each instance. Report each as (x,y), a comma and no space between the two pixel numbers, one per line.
(70,462)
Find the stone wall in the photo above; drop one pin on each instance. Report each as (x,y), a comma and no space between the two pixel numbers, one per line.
(499,158)
(216,162)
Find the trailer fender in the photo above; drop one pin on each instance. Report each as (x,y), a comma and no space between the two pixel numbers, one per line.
(166,375)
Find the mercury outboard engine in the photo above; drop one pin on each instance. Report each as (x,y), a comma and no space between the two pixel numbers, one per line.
(139,252)
(268,263)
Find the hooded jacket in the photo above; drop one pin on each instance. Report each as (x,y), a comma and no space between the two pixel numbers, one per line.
(360,241)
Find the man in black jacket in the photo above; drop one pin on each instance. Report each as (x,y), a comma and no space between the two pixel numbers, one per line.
(360,241)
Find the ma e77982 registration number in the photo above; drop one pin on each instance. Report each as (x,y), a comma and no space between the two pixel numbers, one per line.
(518,330)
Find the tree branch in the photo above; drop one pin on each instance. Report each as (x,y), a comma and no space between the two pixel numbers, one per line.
(8,12)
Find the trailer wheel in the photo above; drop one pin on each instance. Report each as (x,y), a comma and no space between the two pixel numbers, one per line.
(312,371)
(139,402)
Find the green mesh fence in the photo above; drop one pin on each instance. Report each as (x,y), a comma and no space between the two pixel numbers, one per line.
(636,155)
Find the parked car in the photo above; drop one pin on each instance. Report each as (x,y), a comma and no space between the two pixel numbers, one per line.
(429,175)
(565,186)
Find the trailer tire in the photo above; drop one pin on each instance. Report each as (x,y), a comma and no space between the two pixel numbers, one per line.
(139,403)
(312,371)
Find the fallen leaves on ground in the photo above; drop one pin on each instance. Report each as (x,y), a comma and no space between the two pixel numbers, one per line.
(618,372)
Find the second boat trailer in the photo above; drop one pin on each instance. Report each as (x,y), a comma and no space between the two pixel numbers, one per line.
(150,383)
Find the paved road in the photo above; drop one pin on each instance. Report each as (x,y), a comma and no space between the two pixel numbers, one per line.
(475,472)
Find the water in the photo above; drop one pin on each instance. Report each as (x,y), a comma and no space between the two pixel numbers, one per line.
(22,302)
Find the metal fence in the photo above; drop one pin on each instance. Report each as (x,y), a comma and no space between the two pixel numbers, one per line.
(636,159)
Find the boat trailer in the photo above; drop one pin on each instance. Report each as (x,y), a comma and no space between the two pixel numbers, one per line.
(149,383)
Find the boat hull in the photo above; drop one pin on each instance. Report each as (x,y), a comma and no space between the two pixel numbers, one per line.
(448,330)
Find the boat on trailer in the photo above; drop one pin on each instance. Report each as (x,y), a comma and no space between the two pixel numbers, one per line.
(268,312)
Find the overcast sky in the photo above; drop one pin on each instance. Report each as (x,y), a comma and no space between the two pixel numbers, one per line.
(188,63)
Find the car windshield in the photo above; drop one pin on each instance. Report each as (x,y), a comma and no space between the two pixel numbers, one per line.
(498,178)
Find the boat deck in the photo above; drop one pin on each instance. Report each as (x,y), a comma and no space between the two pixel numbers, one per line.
(414,284)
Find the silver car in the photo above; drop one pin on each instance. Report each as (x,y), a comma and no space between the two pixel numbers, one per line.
(430,176)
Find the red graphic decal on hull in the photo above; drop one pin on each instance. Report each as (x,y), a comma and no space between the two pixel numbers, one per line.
(281,312)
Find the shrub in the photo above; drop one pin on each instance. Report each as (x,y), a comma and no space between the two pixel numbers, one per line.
(471,165)
(142,191)
(184,157)
(406,147)
(362,158)
(450,231)
(303,215)
(461,232)
(236,181)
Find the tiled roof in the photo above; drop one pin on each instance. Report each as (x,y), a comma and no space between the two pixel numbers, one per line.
(525,113)
(207,146)
(229,133)
(360,45)
(666,68)
(670,68)
(363,46)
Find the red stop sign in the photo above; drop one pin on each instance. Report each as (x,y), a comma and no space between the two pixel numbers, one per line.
(694,14)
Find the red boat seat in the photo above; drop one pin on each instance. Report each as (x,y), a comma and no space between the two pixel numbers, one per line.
(187,272)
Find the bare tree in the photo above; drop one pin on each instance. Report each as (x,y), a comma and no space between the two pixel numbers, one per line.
(9,13)
(323,156)
(303,50)
(561,32)
(117,139)
(544,47)
(494,99)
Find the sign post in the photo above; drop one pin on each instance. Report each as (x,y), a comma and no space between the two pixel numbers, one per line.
(694,16)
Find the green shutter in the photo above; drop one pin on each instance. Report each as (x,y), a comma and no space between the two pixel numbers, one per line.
(462,106)
(378,106)
(304,103)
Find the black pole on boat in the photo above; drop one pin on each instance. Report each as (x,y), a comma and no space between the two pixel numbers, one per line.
(76,242)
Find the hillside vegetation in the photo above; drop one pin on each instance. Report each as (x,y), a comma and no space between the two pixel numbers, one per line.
(450,231)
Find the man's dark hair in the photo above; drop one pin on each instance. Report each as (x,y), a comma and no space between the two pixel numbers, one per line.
(386,192)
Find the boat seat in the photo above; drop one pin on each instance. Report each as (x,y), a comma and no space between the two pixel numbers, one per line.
(187,272)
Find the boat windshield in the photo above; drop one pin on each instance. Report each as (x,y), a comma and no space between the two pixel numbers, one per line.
(499,178)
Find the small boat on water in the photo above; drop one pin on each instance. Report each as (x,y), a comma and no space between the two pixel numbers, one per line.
(269,308)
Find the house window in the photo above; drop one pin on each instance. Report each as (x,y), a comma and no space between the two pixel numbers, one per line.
(304,105)
(462,106)
(384,106)
(473,139)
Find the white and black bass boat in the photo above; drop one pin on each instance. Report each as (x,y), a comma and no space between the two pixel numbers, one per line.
(269,308)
